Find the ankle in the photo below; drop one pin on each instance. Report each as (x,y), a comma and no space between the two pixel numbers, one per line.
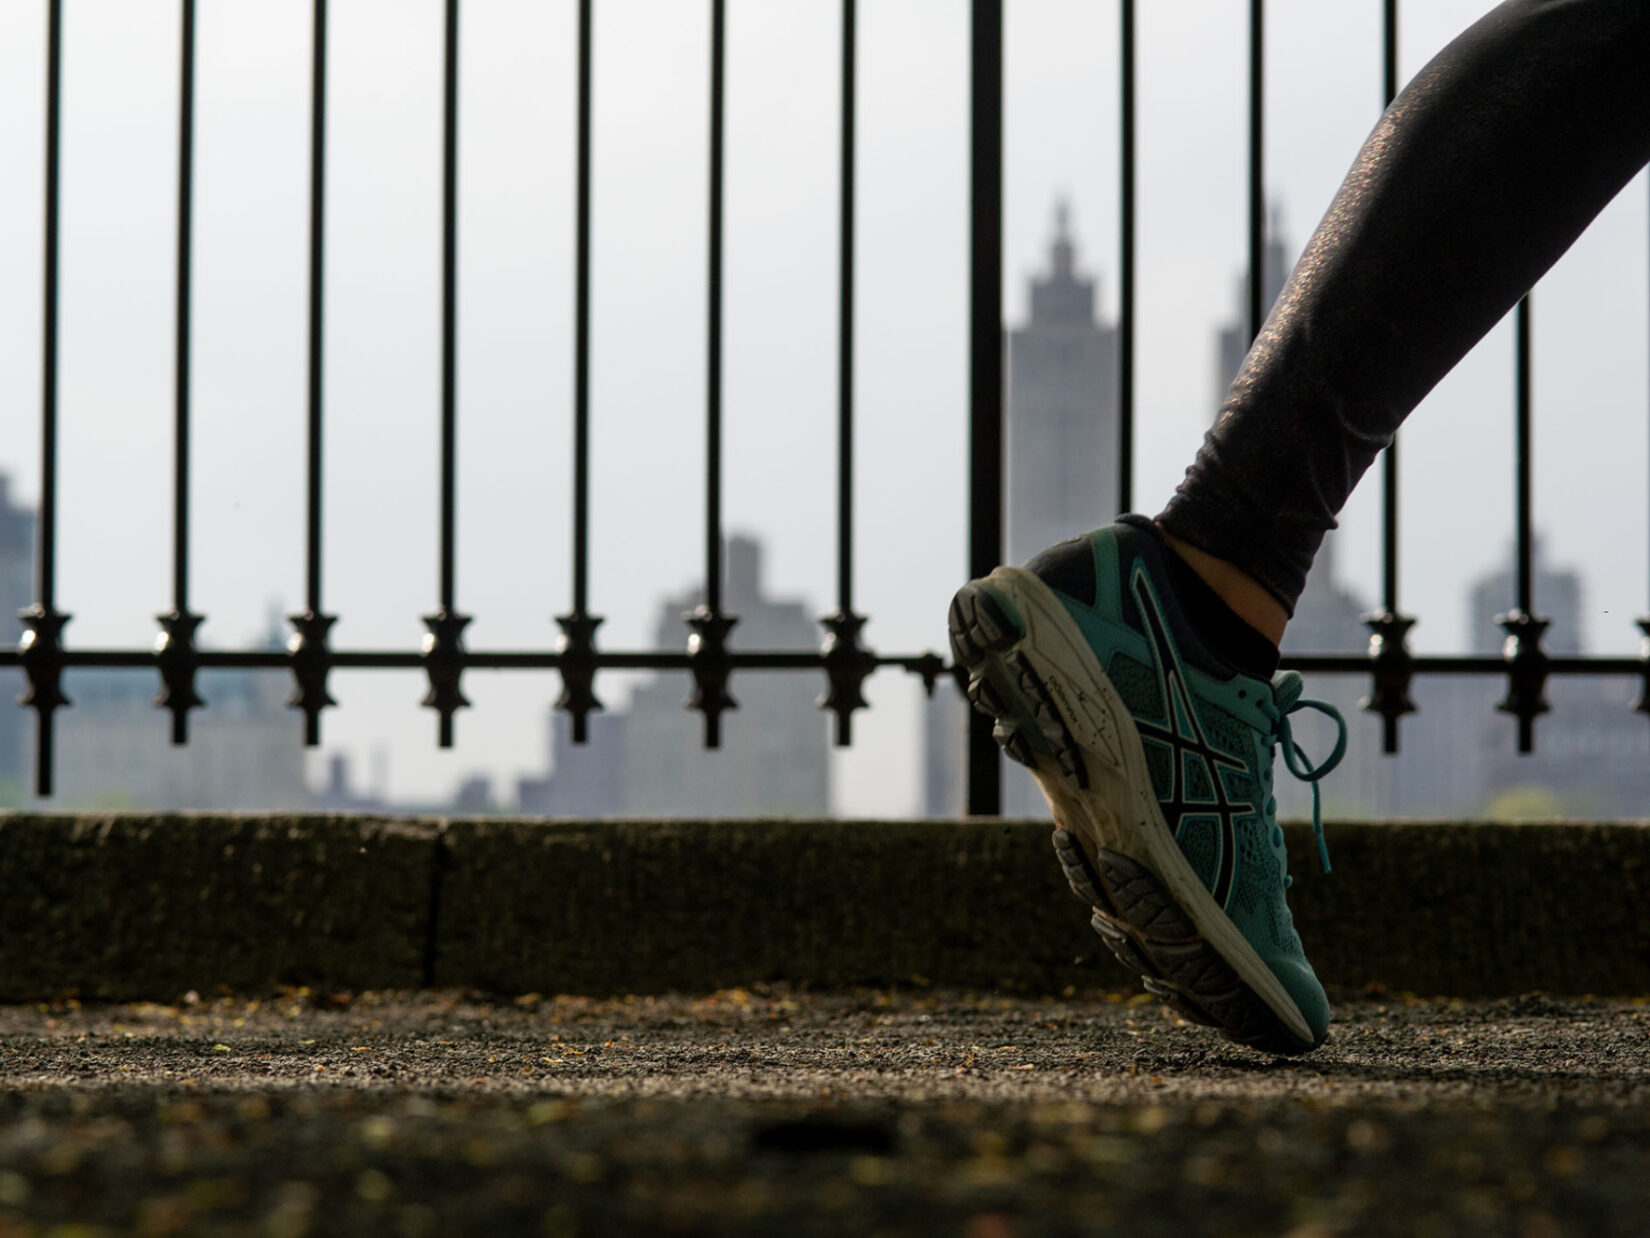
(1246,596)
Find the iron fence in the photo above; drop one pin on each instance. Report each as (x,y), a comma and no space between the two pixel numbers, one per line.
(43,654)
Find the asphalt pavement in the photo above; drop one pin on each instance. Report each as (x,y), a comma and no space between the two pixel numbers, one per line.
(795,1112)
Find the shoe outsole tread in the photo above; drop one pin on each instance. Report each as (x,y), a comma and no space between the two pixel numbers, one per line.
(1133,913)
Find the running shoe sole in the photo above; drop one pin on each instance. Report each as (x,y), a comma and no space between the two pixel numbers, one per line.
(1031,669)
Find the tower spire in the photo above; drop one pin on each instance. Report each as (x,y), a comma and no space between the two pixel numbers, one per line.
(1062,253)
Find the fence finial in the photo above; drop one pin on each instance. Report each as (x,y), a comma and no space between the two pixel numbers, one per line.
(847,665)
(1393,668)
(1527,668)
(708,660)
(178,660)
(311,660)
(444,663)
(577,662)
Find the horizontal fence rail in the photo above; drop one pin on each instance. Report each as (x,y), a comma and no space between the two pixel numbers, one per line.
(44,655)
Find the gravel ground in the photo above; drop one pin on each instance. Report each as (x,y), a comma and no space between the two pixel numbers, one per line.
(806,1113)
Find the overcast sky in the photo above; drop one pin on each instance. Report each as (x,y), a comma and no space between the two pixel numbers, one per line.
(516,303)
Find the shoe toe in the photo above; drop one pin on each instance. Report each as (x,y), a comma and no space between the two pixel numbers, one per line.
(1301,983)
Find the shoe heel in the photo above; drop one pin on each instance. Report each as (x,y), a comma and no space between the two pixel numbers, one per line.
(981,623)
(1002,684)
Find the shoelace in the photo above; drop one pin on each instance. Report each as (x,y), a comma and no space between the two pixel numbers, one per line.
(1286,694)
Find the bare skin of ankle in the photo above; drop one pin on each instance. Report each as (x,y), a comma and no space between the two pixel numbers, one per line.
(1239,590)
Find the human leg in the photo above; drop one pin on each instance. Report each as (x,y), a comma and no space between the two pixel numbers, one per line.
(1131,679)
(1481,174)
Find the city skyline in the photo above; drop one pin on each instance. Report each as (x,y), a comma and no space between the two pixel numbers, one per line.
(1458,755)
(648,360)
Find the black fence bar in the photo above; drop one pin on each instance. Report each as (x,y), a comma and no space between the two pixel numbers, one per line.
(1523,474)
(1125,261)
(1389,471)
(1642,705)
(1527,663)
(317,277)
(184,306)
(1467,664)
(713,332)
(985,354)
(175,652)
(708,626)
(846,664)
(928,666)
(581,330)
(308,645)
(40,652)
(444,655)
(1389,627)
(449,313)
(47,567)
(1257,166)
(578,640)
(845,327)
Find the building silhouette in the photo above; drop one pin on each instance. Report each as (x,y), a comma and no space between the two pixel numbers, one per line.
(648,758)
(1232,339)
(1328,616)
(1458,754)
(1060,435)
(113,746)
(1435,774)
(1060,413)
(245,749)
(17,532)
(1593,751)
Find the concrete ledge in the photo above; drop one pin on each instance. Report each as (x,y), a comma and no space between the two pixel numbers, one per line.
(128,906)
(141,906)
(1478,909)
(616,907)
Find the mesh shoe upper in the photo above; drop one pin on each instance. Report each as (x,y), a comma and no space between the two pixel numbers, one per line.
(1209,734)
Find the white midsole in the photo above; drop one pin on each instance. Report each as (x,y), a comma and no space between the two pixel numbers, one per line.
(1119,811)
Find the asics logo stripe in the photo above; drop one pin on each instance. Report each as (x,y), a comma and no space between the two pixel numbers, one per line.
(1183,734)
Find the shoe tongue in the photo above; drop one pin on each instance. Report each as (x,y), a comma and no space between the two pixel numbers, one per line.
(1286,689)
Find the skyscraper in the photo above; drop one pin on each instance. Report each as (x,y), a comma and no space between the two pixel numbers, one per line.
(16,592)
(1060,414)
(1060,433)
(1232,341)
(1593,751)
(1328,616)
(245,750)
(648,758)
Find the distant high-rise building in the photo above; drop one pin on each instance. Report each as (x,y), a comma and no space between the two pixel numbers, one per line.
(945,739)
(1458,753)
(1060,431)
(245,749)
(113,746)
(1432,775)
(649,759)
(1593,751)
(1555,595)
(1060,415)
(16,592)
(1232,343)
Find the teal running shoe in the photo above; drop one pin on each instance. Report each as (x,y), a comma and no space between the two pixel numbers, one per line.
(1157,759)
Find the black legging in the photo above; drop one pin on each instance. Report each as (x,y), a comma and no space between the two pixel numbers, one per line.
(1478,177)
